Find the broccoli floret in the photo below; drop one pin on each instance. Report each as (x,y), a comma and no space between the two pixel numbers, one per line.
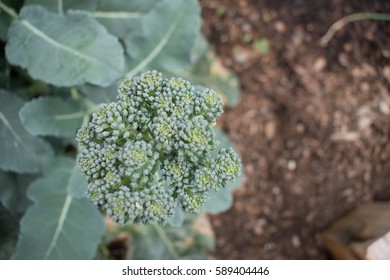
(154,149)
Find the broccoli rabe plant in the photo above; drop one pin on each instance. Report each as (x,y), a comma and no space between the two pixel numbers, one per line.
(154,149)
(148,156)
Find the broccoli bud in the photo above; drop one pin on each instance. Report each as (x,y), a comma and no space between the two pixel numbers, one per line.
(154,149)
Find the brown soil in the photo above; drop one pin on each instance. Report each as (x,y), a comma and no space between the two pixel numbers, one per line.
(313,123)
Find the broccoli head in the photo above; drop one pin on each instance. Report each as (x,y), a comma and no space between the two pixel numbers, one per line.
(154,149)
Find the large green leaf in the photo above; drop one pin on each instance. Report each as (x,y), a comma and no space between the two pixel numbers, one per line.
(178,217)
(190,241)
(64,50)
(20,151)
(118,16)
(166,37)
(77,186)
(52,116)
(5,19)
(13,191)
(151,242)
(52,5)
(122,17)
(100,95)
(222,200)
(58,225)
(208,71)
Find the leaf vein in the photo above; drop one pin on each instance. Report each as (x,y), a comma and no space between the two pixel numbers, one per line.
(116,15)
(58,45)
(60,225)
(157,49)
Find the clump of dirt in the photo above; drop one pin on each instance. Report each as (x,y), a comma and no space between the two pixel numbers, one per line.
(313,124)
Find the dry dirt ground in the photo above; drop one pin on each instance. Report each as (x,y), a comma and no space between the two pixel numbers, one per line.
(313,123)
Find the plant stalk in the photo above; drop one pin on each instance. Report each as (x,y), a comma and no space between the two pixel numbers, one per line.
(350,18)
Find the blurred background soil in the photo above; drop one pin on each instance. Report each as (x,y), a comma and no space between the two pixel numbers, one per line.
(312,125)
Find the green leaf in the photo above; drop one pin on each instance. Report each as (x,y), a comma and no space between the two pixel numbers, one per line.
(166,38)
(100,95)
(52,5)
(190,241)
(200,49)
(5,19)
(261,46)
(58,225)
(13,191)
(149,245)
(177,219)
(56,164)
(222,200)
(122,17)
(20,152)
(118,16)
(52,116)
(208,71)
(64,50)
(77,186)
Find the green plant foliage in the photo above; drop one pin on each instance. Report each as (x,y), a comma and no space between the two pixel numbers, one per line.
(20,151)
(218,201)
(53,5)
(122,17)
(151,150)
(190,241)
(63,60)
(261,46)
(80,49)
(164,44)
(5,20)
(118,16)
(100,95)
(13,191)
(178,217)
(221,11)
(209,72)
(58,225)
(77,186)
(52,116)
(222,200)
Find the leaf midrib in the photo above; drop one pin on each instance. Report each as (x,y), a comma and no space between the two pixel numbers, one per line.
(64,117)
(116,14)
(157,49)
(60,226)
(13,132)
(65,48)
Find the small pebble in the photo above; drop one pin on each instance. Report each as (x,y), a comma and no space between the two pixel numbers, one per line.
(319,64)
(296,242)
(291,165)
